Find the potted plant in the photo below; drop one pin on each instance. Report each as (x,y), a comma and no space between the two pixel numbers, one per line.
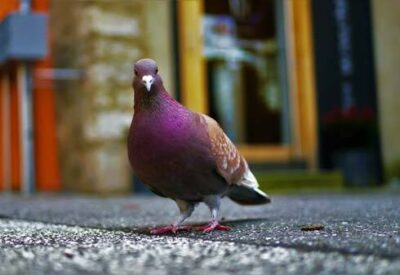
(351,133)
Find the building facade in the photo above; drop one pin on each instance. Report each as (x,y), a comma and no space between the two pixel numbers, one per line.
(268,71)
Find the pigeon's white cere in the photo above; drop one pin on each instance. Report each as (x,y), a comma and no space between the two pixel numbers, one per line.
(147,81)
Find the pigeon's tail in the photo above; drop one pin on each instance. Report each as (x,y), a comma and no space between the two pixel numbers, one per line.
(248,195)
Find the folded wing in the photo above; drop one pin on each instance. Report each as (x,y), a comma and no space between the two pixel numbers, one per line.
(232,166)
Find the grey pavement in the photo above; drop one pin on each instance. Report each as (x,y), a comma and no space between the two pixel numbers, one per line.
(86,235)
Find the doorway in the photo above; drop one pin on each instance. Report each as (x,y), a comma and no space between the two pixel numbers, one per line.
(246,72)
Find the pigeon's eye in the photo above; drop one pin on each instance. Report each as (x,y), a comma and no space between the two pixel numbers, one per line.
(156,70)
(136,73)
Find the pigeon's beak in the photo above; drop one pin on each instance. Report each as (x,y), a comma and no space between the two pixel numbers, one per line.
(147,81)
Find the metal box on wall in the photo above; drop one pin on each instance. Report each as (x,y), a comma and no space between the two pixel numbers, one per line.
(23,37)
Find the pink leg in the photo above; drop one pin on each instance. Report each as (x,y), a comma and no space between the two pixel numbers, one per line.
(186,210)
(170,229)
(211,226)
(213,203)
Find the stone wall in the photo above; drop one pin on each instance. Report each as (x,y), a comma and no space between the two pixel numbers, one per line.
(103,39)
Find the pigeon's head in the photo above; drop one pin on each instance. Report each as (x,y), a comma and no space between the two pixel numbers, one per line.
(146,74)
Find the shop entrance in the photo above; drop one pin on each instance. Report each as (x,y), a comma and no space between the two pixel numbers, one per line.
(245,56)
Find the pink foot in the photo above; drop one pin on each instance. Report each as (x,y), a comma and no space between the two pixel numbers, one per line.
(169,229)
(211,227)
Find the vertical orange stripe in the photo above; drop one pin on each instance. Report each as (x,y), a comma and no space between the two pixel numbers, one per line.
(15,130)
(40,5)
(46,154)
(8,6)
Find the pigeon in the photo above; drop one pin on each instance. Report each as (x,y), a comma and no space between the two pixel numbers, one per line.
(184,155)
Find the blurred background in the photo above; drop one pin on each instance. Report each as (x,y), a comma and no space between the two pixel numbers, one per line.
(307,89)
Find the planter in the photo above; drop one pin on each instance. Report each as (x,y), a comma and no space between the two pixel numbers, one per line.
(358,166)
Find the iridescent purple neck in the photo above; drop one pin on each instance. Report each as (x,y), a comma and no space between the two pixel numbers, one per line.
(156,101)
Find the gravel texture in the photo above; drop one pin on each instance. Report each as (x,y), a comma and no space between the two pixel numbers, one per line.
(80,235)
(37,248)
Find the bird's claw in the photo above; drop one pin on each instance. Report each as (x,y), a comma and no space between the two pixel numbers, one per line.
(211,227)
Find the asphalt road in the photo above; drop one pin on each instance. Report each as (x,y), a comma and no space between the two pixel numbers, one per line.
(81,235)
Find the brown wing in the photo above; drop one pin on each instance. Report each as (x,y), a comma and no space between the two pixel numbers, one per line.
(230,164)
(233,167)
